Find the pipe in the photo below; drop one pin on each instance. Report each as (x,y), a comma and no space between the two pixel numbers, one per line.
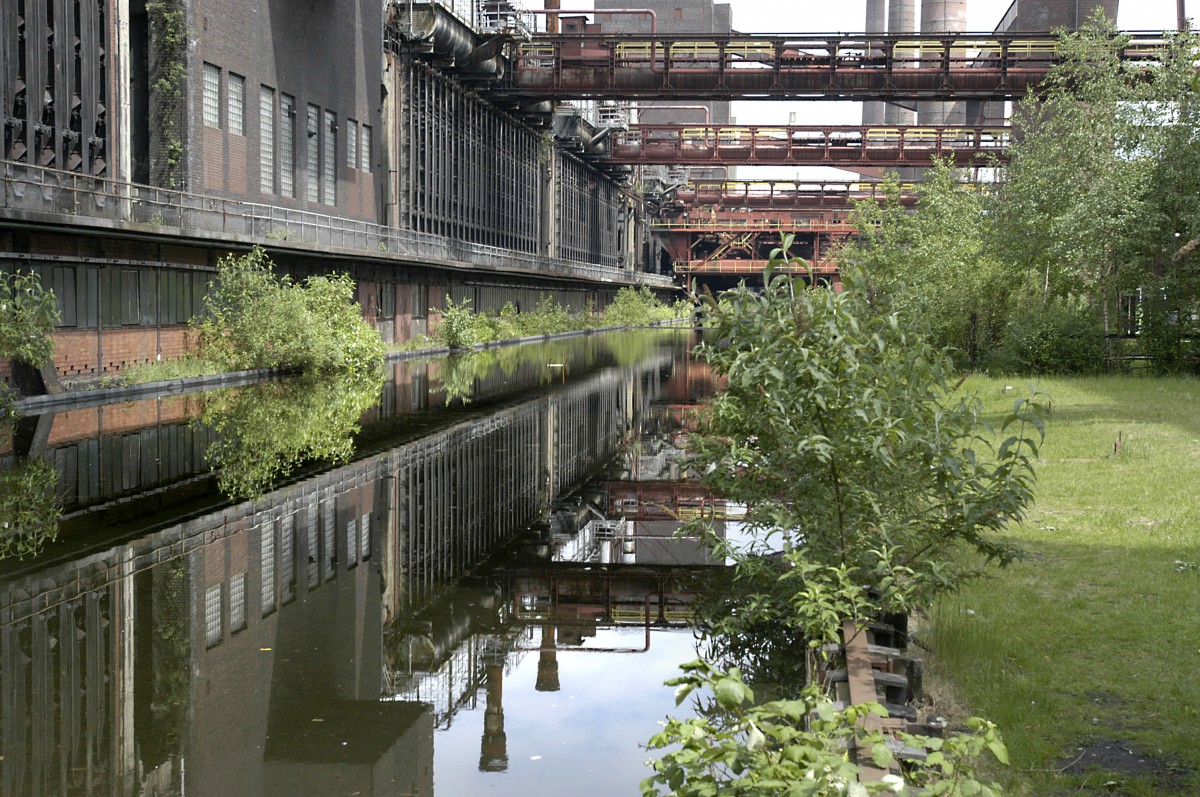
(1181,13)
(644,107)
(641,12)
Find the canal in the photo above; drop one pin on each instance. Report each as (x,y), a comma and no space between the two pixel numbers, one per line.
(463,581)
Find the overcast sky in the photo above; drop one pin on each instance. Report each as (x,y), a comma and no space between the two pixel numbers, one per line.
(822,16)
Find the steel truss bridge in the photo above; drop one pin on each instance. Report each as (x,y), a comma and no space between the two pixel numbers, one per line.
(946,66)
(730,227)
(850,146)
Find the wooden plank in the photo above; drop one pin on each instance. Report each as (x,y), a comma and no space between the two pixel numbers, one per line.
(862,690)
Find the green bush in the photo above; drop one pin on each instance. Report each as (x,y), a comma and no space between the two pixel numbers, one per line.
(254,319)
(28,315)
(637,307)
(1064,337)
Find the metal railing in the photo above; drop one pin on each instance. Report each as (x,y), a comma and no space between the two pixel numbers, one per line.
(53,196)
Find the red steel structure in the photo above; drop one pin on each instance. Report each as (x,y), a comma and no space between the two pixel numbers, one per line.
(730,228)
(983,66)
(793,145)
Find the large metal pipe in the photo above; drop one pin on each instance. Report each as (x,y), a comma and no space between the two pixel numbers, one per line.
(643,12)
(943,16)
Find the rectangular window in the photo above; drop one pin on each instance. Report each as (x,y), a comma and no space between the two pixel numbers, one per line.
(312,151)
(287,559)
(237,104)
(387,300)
(287,145)
(352,143)
(420,301)
(212,615)
(330,551)
(365,150)
(212,96)
(351,542)
(329,161)
(237,602)
(364,536)
(267,553)
(313,553)
(266,141)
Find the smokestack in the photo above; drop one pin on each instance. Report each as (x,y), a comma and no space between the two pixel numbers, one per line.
(873,112)
(902,18)
(943,16)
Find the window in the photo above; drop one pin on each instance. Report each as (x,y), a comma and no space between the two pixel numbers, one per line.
(212,96)
(351,542)
(287,559)
(237,104)
(212,615)
(237,602)
(352,143)
(330,551)
(364,535)
(266,141)
(387,300)
(420,301)
(365,149)
(329,179)
(679,13)
(268,567)
(312,160)
(287,145)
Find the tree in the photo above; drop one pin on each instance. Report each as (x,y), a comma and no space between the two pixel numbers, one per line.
(934,262)
(843,434)
(1071,202)
(841,431)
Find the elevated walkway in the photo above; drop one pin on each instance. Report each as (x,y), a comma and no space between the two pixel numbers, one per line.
(913,66)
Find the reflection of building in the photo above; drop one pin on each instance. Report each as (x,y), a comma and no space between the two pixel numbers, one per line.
(247,640)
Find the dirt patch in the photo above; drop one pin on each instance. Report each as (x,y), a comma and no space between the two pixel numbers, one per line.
(1121,758)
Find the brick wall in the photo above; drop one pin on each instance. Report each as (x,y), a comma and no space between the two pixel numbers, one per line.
(87,423)
(326,54)
(83,353)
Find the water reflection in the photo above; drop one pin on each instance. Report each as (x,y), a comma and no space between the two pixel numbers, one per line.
(341,632)
(29,508)
(265,432)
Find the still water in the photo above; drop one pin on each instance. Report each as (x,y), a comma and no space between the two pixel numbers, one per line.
(460,582)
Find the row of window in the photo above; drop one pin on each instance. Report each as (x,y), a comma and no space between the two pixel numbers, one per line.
(280,559)
(277,132)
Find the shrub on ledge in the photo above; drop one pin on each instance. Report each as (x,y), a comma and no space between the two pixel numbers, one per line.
(253,318)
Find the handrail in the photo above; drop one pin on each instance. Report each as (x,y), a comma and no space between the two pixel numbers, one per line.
(85,200)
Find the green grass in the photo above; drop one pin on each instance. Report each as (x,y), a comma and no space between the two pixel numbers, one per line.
(167,370)
(1095,636)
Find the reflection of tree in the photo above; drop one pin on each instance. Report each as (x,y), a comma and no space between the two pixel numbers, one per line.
(266,431)
(29,508)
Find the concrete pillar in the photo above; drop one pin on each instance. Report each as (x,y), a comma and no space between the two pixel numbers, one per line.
(943,16)
(902,18)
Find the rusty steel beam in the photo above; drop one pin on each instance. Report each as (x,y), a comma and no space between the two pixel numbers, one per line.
(732,145)
(781,194)
(983,66)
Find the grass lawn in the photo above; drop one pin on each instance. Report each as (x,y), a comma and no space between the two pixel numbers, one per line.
(1087,652)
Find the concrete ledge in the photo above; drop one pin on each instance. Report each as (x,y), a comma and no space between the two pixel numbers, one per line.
(79,399)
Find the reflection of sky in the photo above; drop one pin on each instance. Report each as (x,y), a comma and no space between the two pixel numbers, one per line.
(589,735)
